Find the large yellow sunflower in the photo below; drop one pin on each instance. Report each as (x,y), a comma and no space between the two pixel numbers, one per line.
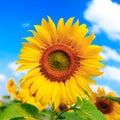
(110,109)
(61,61)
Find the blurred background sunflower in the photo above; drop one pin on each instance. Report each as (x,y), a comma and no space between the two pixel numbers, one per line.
(20,94)
(109,108)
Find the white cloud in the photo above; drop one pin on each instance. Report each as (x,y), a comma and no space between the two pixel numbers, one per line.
(2,91)
(106,87)
(13,66)
(110,54)
(2,78)
(1,88)
(25,24)
(104,16)
(112,73)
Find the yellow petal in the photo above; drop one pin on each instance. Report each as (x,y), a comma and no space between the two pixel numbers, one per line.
(31,73)
(34,41)
(88,40)
(91,71)
(36,35)
(60,25)
(82,83)
(43,34)
(30,45)
(38,83)
(91,63)
(11,86)
(101,91)
(35,86)
(68,24)
(55,91)
(86,77)
(29,57)
(65,97)
(28,66)
(56,94)
(71,92)
(28,82)
(51,28)
(61,29)
(93,50)
(44,93)
(22,61)
(95,57)
(74,28)
(79,90)
(82,31)
(77,36)
(30,51)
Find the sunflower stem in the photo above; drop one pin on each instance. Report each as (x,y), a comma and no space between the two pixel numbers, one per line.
(62,113)
(52,116)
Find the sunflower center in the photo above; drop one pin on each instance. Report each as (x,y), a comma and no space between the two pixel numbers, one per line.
(104,105)
(58,62)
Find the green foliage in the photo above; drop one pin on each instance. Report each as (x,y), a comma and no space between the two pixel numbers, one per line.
(115,99)
(2,108)
(83,110)
(19,111)
(16,110)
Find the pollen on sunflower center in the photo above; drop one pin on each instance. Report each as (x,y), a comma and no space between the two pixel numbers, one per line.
(104,105)
(59,60)
(58,63)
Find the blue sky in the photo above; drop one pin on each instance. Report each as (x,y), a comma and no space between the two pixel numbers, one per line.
(101,16)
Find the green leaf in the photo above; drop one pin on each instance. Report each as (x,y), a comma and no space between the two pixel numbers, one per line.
(89,111)
(18,118)
(44,115)
(70,116)
(115,99)
(79,102)
(30,109)
(2,108)
(86,111)
(17,110)
(6,97)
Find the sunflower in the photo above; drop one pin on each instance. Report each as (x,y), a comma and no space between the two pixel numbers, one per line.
(61,62)
(22,94)
(110,109)
(12,88)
